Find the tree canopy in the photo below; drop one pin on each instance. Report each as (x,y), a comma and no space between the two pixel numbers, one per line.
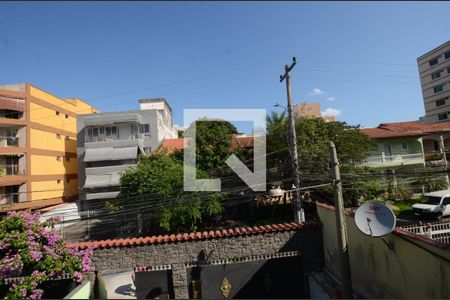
(313,136)
(213,145)
(159,179)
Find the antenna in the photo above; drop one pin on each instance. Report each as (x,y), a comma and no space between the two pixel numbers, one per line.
(375,219)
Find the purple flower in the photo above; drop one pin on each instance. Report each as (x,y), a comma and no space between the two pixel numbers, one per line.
(36,255)
(36,294)
(48,249)
(77,276)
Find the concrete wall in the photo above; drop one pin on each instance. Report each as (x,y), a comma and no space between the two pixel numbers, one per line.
(177,254)
(400,270)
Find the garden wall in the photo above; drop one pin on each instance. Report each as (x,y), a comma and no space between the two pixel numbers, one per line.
(180,250)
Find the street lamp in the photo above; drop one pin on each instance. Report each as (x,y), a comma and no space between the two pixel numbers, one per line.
(279,105)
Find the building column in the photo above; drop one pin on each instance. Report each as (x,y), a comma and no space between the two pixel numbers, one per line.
(180,284)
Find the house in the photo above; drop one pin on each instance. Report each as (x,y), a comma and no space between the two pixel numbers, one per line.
(411,143)
(109,143)
(37,147)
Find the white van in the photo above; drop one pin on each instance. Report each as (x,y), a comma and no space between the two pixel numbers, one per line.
(437,205)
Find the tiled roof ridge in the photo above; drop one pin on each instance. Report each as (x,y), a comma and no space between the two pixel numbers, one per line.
(180,237)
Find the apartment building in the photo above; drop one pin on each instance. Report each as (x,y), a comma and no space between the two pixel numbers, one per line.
(311,110)
(109,143)
(38,164)
(434,71)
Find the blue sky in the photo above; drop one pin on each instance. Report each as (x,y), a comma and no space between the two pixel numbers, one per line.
(360,58)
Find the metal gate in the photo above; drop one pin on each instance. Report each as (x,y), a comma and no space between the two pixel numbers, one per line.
(263,277)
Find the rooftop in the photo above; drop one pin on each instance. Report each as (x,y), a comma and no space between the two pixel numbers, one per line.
(155,100)
(402,129)
(172,145)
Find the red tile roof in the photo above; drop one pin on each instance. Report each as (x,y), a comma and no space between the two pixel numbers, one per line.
(212,234)
(172,145)
(401,129)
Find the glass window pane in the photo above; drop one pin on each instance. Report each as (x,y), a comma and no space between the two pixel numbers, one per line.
(108,130)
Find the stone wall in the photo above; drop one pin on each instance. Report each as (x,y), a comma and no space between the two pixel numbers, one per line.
(177,254)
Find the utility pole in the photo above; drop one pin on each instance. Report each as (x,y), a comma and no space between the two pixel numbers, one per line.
(341,227)
(442,147)
(299,214)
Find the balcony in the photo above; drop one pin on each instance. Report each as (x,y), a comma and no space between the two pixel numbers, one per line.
(11,170)
(9,141)
(9,199)
(380,161)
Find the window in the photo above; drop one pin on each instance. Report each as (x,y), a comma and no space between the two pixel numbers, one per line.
(102,130)
(146,128)
(404,146)
(58,136)
(147,149)
(446,201)
(67,158)
(438,88)
(94,131)
(58,181)
(440,102)
(447,55)
(448,70)
(57,113)
(67,116)
(58,158)
(436,74)
(442,117)
(108,131)
(434,61)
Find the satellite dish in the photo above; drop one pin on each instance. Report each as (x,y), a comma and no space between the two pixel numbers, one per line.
(375,219)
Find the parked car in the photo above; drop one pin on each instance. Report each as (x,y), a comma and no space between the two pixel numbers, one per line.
(437,205)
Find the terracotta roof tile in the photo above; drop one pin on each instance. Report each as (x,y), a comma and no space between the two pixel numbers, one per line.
(172,145)
(402,129)
(193,235)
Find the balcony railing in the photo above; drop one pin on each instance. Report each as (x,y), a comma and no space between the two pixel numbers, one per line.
(8,199)
(435,231)
(11,170)
(101,138)
(9,141)
(400,159)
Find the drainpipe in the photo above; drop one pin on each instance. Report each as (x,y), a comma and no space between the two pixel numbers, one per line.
(441,141)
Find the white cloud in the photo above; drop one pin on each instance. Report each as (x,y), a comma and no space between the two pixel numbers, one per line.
(331,99)
(331,112)
(316,92)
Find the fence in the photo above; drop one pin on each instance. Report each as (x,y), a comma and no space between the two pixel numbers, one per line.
(436,231)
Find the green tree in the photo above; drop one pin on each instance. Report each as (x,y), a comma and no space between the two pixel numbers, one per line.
(213,146)
(160,179)
(313,136)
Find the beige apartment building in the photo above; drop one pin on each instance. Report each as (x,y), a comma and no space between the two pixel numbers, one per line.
(311,110)
(434,71)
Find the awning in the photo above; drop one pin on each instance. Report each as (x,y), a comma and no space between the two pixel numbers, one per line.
(12,103)
(115,179)
(95,181)
(110,153)
(125,153)
(98,154)
(105,195)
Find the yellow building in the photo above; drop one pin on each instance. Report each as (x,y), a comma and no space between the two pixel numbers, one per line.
(38,147)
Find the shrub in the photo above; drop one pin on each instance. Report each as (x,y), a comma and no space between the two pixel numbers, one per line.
(33,250)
